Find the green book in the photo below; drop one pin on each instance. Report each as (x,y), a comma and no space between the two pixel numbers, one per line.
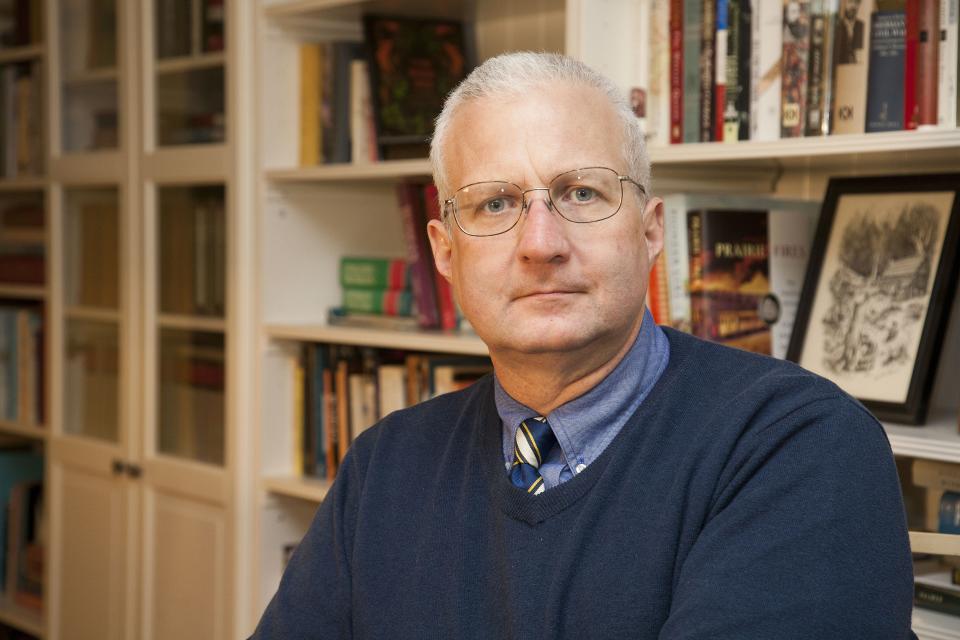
(374,273)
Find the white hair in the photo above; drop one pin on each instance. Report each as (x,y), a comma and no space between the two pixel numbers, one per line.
(517,73)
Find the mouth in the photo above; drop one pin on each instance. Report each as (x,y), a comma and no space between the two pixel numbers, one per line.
(546,294)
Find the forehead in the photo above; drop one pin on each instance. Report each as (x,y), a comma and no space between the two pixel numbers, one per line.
(531,136)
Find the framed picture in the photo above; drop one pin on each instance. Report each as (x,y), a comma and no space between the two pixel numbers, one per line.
(879,286)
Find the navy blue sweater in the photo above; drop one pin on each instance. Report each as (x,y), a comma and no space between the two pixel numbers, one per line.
(746,498)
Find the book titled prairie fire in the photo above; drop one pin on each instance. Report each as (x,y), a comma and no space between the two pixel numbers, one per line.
(730,277)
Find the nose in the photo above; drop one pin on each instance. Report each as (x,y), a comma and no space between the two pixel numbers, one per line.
(543,237)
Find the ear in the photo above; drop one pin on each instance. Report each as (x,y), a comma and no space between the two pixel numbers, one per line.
(653,228)
(442,245)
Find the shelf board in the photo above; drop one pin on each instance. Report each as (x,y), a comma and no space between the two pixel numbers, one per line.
(24,431)
(96,314)
(941,544)
(431,341)
(23,183)
(192,323)
(386,171)
(23,292)
(312,489)
(191,63)
(19,618)
(92,76)
(23,236)
(20,54)
(938,439)
(925,147)
(933,625)
(354,9)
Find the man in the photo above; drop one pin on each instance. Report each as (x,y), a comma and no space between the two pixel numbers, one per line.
(612,479)
(850,34)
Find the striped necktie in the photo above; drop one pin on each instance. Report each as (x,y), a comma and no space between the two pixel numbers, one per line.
(532,442)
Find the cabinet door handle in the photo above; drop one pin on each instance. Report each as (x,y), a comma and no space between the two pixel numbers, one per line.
(118,466)
(134,471)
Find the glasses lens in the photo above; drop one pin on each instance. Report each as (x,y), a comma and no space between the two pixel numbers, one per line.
(587,195)
(488,208)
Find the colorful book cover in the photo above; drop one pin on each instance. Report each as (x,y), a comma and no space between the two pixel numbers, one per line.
(445,303)
(729,277)
(851,53)
(414,64)
(676,71)
(387,302)
(419,256)
(886,72)
(721,50)
(708,41)
(796,60)
(360,272)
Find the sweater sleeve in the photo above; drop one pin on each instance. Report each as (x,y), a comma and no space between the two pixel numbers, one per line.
(805,537)
(314,596)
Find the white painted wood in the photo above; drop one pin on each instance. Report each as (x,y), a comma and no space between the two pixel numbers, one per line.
(22,54)
(309,489)
(282,522)
(431,341)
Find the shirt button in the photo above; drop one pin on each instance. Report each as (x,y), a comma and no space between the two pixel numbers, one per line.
(580,467)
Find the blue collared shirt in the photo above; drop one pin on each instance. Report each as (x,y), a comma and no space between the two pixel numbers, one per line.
(586,425)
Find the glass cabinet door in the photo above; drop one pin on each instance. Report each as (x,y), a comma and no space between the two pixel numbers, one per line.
(190,82)
(89,76)
(191,233)
(91,313)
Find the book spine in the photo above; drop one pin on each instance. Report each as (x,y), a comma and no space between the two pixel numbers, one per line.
(692,32)
(887,44)
(791,239)
(948,64)
(937,599)
(911,110)
(695,238)
(851,49)
(796,47)
(658,98)
(374,273)
(309,104)
(708,39)
(816,69)
(388,302)
(721,42)
(766,49)
(675,248)
(424,295)
(445,305)
(949,513)
(657,294)
(676,71)
(927,63)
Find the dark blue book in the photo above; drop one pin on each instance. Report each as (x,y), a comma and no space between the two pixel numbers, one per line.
(886,71)
(949,512)
(316,363)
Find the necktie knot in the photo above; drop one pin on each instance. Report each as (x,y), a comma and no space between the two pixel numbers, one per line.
(532,443)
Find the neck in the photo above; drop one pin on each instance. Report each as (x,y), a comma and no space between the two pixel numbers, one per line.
(545,381)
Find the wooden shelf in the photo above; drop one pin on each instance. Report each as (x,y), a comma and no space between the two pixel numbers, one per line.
(934,147)
(937,440)
(21,54)
(23,183)
(23,292)
(92,76)
(431,341)
(941,544)
(933,625)
(95,314)
(19,618)
(23,431)
(312,489)
(386,171)
(23,236)
(192,323)
(353,9)
(191,63)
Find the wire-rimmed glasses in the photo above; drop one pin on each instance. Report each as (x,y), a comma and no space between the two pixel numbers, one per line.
(582,195)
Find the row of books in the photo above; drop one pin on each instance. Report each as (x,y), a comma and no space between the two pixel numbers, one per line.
(734,70)
(936,486)
(193,251)
(21,22)
(377,286)
(22,526)
(21,365)
(732,268)
(339,391)
(377,100)
(21,107)
(178,35)
(22,241)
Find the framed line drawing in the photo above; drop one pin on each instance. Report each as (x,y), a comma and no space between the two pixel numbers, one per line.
(878,290)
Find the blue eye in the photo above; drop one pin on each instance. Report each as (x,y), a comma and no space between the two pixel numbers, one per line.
(583,194)
(495,206)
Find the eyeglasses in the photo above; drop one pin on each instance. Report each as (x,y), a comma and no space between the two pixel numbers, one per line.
(583,195)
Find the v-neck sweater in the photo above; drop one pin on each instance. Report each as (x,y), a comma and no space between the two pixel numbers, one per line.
(745,498)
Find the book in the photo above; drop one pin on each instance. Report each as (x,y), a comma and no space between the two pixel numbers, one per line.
(766,49)
(851,55)
(340,317)
(795,67)
(658,298)
(335,101)
(721,44)
(886,71)
(692,42)
(659,88)
(362,272)
(949,512)
(820,68)
(363,138)
(391,388)
(310,65)
(388,302)
(18,465)
(936,591)
(414,64)
(911,110)
(212,20)
(419,256)
(677,74)
(736,113)
(708,41)
(24,561)
(948,64)
(928,41)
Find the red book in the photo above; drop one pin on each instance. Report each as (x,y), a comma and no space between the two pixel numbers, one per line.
(911,114)
(448,313)
(676,71)
(928,63)
(657,293)
(410,200)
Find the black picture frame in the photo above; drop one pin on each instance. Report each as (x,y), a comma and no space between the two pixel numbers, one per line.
(879,287)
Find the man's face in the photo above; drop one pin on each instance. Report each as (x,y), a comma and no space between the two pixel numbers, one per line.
(548,285)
